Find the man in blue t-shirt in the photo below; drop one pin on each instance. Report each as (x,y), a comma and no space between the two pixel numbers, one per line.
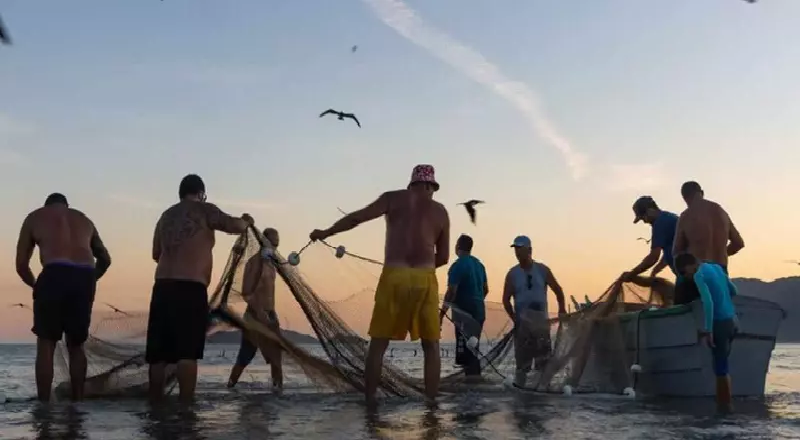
(466,290)
(663,225)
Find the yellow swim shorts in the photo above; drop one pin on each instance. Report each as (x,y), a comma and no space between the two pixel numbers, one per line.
(406,302)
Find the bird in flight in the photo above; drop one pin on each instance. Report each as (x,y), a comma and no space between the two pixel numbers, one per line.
(4,37)
(20,305)
(341,115)
(470,206)
(643,239)
(115,309)
(353,49)
(797,262)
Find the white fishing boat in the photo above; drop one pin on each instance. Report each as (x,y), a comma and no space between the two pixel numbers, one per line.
(664,344)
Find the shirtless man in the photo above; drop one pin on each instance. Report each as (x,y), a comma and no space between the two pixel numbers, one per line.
(407,295)
(706,231)
(73,258)
(182,245)
(258,285)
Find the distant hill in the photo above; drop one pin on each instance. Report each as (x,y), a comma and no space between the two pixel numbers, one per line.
(785,292)
(234,336)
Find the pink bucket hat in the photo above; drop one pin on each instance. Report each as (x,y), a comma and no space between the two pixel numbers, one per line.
(424,173)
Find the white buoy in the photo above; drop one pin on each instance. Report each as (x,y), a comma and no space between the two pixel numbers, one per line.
(340,251)
(508,382)
(629,392)
(267,253)
(567,390)
(636,368)
(472,342)
(294,259)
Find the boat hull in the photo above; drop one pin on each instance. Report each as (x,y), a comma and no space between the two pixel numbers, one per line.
(664,342)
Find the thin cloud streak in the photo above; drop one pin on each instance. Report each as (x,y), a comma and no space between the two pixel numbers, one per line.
(637,177)
(400,17)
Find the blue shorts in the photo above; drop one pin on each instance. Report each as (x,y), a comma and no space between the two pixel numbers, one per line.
(724,332)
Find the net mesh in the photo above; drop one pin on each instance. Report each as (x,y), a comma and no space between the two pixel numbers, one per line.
(587,349)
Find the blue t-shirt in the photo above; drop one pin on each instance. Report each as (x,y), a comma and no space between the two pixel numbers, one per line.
(664,235)
(469,275)
(716,290)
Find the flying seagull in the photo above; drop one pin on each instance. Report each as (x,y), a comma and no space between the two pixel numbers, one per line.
(20,305)
(797,262)
(4,36)
(341,115)
(471,208)
(353,49)
(643,239)
(115,309)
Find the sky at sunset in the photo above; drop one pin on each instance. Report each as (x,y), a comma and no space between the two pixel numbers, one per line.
(558,114)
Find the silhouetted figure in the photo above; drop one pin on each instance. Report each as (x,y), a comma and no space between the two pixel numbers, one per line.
(470,206)
(341,115)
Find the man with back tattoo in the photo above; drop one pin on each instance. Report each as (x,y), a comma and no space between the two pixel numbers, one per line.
(73,258)
(407,295)
(182,249)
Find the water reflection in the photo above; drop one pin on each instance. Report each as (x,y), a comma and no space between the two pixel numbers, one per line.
(528,420)
(255,419)
(171,421)
(431,425)
(51,422)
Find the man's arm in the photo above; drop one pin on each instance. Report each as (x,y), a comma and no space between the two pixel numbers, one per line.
(370,212)
(453,277)
(25,246)
(221,221)
(659,267)
(736,242)
(508,292)
(557,290)
(101,255)
(680,243)
(485,282)
(647,262)
(250,278)
(157,242)
(443,242)
(708,302)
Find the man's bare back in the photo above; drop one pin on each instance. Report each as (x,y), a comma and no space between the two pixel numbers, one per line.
(415,227)
(62,234)
(704,230)
(184,240)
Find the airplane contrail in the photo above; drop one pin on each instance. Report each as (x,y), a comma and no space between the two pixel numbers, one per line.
(405,21)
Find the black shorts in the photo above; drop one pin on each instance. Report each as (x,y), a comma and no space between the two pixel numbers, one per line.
(63,297)
(178,321)
(247,347)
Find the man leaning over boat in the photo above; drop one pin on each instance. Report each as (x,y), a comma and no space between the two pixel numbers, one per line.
(663,225)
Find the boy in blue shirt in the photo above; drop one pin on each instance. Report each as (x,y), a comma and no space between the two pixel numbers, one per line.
(466,290)
(719,323)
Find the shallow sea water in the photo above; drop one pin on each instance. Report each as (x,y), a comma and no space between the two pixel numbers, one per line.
(251,411)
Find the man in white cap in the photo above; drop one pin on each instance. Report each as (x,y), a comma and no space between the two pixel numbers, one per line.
(407,295)
(527,284)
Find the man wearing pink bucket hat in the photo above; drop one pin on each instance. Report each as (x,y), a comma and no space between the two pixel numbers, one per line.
(407,296)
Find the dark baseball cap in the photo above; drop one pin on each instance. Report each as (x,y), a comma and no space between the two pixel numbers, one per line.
(640,207)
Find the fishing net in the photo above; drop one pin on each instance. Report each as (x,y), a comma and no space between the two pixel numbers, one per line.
(324,339)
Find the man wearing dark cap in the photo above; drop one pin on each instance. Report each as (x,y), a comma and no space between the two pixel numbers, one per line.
(182,249)
(705,229)
(467,288)
(663,225)
(73,258)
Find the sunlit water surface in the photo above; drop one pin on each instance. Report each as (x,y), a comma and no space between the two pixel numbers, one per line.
(251,411)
